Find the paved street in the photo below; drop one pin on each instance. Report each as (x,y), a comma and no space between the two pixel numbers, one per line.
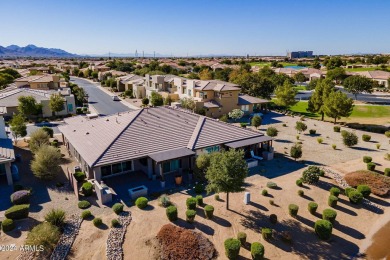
(100,100)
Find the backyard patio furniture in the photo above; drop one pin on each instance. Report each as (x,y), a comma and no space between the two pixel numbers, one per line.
(255,156)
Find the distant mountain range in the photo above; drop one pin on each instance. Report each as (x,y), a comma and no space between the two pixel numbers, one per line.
(34,51)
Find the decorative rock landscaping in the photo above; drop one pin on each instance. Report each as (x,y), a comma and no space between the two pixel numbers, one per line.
(116,237)
(71,229)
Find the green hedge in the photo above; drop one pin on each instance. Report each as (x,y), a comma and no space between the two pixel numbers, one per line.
(171,212)
(293,210)
(387,172)
(336,129)
(199,200)
(257,251)
(242,237)
(366,138)
(191,203)
(97,222)
(86,214)
(355,197)
(301,193)
(266,233)
(334,191)
(264,192)
(329,214)
(142,202)
(232,248)
(299,182)
(323,229)
(84,204)
(348,190)
(7,225)
(79,176)
(371,166)
(364,190)
(312,207)
(332,201)
(17,211)
(115,223)
(87,189)
(117,208)
(190,215)
(367,159)
(209,211)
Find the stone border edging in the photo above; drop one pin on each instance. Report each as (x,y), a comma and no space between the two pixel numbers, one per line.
(116,237)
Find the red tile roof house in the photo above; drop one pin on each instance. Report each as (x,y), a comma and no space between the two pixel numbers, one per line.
(155,141)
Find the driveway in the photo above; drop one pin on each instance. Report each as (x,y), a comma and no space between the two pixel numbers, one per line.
(101,101)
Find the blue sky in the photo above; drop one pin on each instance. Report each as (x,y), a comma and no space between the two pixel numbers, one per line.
(199,27)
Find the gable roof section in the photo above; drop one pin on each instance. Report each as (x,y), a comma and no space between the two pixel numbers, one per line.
(10,98)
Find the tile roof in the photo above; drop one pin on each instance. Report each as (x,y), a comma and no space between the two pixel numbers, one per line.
(376,74)
(144,132)
(10,98)
(246,100)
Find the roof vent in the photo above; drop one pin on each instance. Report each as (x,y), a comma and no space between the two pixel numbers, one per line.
(74,130)
(107,119)
(87,133)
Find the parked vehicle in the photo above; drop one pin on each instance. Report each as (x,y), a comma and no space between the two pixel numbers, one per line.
(115,98)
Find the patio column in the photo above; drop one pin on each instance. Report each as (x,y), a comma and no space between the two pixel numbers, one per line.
(8,173)
(150,167)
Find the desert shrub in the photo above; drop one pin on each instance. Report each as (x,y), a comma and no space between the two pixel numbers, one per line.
(284,125)
(56,217)
(299,182)
(329,214)
(387,172)
(17,211)
(49,131)
(273,218)
(332,201)
(387,133)
(209,211)
(86,214)
(371,166)
(300,126)
(322,173)
(232,248)
(312,131)
(44,234)
(191,203)
(216,197)
(257,251)
(367,159)
(320,140)
(323,229)
(20,197)
(350,139)
(364,190)
(301,193)
(38,138)
(312,207)
(296,151)
(118,208)
(46,162)
(272,185)
(190,215)
(293,210)
(84,204)
(164,201)
(336,129)
(171,212)
(334,146)
(199,188)
(272,202)
(242,237)
(142,202)
(97,222)
(115,223)
(366,138)
(311,175)
(7,225)
(334,191)
(87,189)
(348,190)
(79,176)
(297,136)
(378,146)
(264,192)
(266,233)
(355,197)
(387,157)
(199,200)
(272,131)
(344,133)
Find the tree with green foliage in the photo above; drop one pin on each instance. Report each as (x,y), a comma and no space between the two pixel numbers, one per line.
(285,95)
(333,62)
(5,79)
(227,173)
(357,84)
(27,106)
(322,90)
(94,74)
(337,74)
(236,114)
(224,118)
(56,103)
(14,73)
(38,138)
(256,121)
(168,101)
(296,151)
(316,63)
(145,102)
(46,162)
(338,105)
(156,99)
(300,126)
(18,127)
(205,74)
(299,77)
(188,103)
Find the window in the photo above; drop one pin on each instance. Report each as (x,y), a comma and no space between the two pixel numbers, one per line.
(203,95)
(106,170)
(189,92)
(171,166)
(70,107)
(127,166)
(212,149)
(245,108)
(143,161)
(116,168)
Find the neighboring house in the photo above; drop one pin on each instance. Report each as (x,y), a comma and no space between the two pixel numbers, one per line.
(114,73)
(129,82)
(309,73)
(7,154)
(9,100)
(381,77)
(42,82)
(155,141)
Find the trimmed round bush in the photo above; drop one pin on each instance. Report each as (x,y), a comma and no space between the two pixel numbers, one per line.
(334,146)
(371,166)
(332,201)
(171,213)
(336,129)
(334,191)
(273,218)
(84,204)
(366,138)
(272,185)
(199,200)
(312,207)
(364,190)
(311,175)
(348,190)
(350,139)
(86,214)
(322,173)
(87,189)
(320,140)
(323,229)
(79,176)
(293,210)
(216,196)
(266,233)
(387,172)
(118,208)
(141,202)
(190,215)
(367,159)
(17,211)
(387,133)
(272,131)
(232,248)
(20,197)
(355,197)
(209,211)
(242,237)
(257,251)
(312,131)
(191,203)
(7,225)
(97,222)
(115,223)
(301,193)
(264,192)
(329,214)
(199,188)
(299,182)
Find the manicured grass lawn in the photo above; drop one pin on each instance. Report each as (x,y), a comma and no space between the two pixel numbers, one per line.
(260,64)
(364,69)
(297,88)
